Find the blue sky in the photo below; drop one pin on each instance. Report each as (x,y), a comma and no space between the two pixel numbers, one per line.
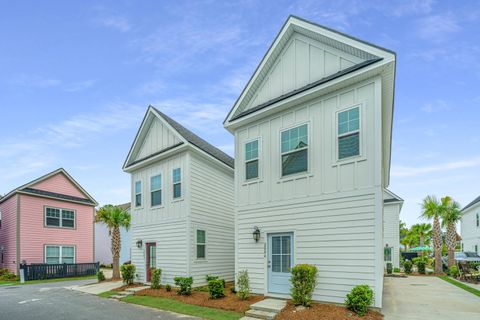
(77,76)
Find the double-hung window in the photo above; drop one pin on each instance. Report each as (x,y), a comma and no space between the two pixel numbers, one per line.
(348,132)
(478,220)
(294,147)
(201,244)
(177,183)
(63,218)
(138,193)
(251,160)
(156,190)
(59,254)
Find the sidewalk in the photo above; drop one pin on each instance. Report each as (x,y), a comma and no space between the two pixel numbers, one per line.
(98,288)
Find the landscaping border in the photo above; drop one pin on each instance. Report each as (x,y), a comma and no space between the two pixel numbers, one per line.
(461,285)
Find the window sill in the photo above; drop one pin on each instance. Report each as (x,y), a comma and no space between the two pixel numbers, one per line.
(296,176)
(57,227)
(252,181)
(349,160)
(178,200)
(160,206)
(200,260)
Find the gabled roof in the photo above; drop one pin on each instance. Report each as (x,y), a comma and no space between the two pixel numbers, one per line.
(390,197)
(27,189)
(187,137)
(471,204)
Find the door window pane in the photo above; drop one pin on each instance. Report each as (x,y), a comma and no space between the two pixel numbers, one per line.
(276,263)
(276,245)
(286,263)
(153,256)
(286,245)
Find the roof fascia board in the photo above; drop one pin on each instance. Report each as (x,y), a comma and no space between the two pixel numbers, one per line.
(55,198)
(151,159)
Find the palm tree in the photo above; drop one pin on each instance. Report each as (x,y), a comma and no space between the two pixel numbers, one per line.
(451,215)
(424,231)
(115,218)
(433,209)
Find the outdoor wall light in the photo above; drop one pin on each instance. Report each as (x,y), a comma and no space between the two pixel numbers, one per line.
(139,244)
(256,234)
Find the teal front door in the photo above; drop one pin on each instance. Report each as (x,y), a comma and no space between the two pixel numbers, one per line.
(280,260)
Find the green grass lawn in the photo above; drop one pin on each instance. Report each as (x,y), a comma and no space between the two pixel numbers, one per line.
(184,308)
(11,283)
(461,285)
(107,294)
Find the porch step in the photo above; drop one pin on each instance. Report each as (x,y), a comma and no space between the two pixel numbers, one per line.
(259,314)
(248,318)
(269,305)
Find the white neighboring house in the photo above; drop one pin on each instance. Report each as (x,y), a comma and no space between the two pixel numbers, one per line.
(313,133)
(182,203)
(103,242)
(392,205)
(470,226)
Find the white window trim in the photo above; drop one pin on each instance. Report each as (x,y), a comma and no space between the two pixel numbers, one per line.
(153,190)
(60,252)
(140,193)
(178,182)
(60,218)
(196,244)
(298,174)
(245,161)
(361,154)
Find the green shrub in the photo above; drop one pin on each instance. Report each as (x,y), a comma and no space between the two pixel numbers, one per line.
(421,266)
(128,273)
(100,276)
(216,289)
(208,277)
(453,271)
(359,299)
(184,284)
(201,289)
(304,281)
(389,268)
(243,283)
(4,271)
(407,266)
(168,288)
(156,278)
(396,270)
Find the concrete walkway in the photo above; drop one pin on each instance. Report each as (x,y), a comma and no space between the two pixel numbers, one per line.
(420,298)
(97,288)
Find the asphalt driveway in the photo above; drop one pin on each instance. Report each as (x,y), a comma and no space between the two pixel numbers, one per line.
(55,301)
(427,298)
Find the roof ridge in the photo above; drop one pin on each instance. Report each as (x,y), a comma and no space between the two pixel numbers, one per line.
(197,140)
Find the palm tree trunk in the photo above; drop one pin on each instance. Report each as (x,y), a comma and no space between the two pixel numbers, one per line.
(451,243)
(116,245)
(437,244)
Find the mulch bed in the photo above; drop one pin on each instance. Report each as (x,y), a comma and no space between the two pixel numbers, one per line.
(321,311)
(123,288)
(230,302)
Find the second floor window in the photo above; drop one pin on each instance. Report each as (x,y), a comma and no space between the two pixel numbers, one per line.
(348,132)
(138,194)
(62,218)
(294,148)
(251,160)
(156,190)
(177,183)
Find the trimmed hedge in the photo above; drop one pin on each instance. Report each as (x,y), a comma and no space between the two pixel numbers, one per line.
(407,266)
(184,284)
(156,278)
(216,288)
(359,299)
(100,276)
(389,268)
(128,273)
(304,281)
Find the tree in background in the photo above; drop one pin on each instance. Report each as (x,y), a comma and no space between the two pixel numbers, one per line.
(432,209)
(451,216)
(114,218)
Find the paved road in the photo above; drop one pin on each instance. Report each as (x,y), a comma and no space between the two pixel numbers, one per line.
(420,298)
(54,301)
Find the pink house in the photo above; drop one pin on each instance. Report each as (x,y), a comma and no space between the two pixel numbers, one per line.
(48,220)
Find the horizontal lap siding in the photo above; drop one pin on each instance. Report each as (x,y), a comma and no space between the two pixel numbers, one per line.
(336,236)
(34,235)
(212,210)
(8,233)
(391,231)
(170,238)
(59,183)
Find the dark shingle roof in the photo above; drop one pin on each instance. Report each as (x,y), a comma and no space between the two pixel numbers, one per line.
(474,202)
(197,141)
(56,195)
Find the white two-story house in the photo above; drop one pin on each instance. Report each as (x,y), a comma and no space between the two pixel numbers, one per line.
(470,226)
(313,130)
(392,205)
(182,203)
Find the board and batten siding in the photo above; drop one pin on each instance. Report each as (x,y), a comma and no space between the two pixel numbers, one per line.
(212,210)
(8,233)
(469,229)
(334,210)
(166,225)
(391,231)
(302,61)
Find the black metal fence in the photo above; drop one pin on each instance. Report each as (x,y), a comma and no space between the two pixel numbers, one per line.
(64,270)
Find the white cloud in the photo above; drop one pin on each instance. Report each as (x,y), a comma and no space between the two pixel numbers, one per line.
(115,22)
(411,7)
(437,28)
(436,106)
(408,171)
